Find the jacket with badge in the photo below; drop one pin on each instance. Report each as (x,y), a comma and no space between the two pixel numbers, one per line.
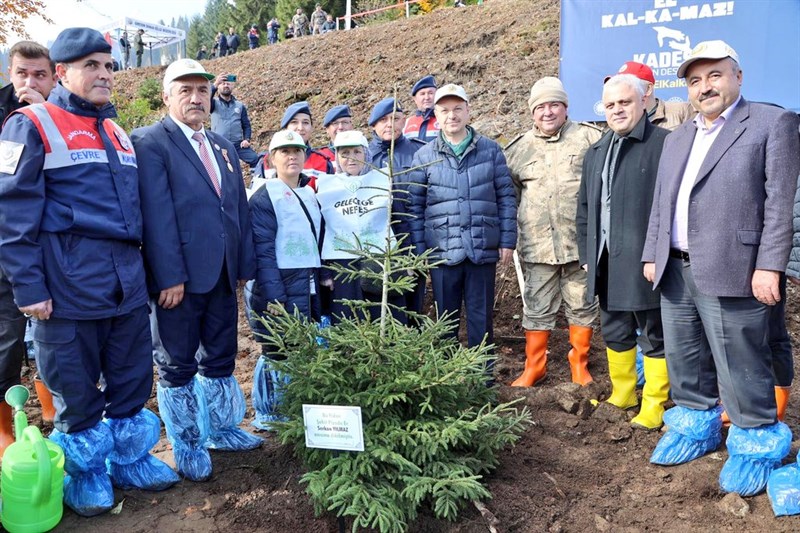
(422,125)
(546,172)
(71,225)
(229,119)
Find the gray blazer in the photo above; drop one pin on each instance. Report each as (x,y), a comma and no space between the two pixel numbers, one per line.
(740,208)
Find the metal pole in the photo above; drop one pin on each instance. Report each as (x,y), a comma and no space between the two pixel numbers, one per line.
(408,9)
(347,14)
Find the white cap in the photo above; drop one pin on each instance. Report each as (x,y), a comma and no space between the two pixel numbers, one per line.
(707,50)
(185,67)
(285,139)
(350,138)
(450,89)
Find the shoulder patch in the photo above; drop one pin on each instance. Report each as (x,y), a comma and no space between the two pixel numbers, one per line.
(518,137)
(592,125)
(10,154)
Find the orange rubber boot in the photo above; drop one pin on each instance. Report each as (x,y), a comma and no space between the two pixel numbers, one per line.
(535,358)
(782,399)
(580,337)
(45,399)
(6,431)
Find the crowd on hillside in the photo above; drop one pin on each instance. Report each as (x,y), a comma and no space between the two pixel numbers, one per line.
(671,227)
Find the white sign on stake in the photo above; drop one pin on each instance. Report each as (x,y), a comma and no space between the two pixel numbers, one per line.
(333,427)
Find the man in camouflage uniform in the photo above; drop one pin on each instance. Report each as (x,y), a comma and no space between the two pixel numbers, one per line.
(545,166)
(667,115)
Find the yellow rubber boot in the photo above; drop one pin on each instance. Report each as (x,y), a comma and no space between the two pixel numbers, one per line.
(6,433)
(535,358)
(580,337)
(622,371)
(654,394)
(782,399)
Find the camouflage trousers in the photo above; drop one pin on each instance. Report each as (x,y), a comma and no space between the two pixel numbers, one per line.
(546,287)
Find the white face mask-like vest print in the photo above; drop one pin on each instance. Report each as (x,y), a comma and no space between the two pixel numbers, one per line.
(354,206)
(295,243)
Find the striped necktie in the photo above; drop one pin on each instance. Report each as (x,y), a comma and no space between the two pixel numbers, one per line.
(205,157)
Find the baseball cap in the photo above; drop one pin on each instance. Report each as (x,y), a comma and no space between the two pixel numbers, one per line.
(285,139)
(640,70)
(185,67)
(707,50)
(350,138)
(451,89)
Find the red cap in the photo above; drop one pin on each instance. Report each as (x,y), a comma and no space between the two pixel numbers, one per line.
(641,71)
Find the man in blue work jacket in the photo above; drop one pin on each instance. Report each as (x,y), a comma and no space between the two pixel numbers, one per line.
(69,243)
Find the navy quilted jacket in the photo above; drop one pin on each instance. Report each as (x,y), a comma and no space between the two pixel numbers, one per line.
(466,208)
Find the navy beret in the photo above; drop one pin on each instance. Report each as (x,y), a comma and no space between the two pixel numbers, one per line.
(335,113)
(424,83)
(75,43)
(381,109)
(292,110)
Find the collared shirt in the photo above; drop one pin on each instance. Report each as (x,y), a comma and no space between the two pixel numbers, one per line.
(703,139)
(196,147)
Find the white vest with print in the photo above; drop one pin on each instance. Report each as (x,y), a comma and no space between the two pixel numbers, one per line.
(295,243)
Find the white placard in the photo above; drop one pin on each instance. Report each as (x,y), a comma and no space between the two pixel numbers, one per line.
(333,427)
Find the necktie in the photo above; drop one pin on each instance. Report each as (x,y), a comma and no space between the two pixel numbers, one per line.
(205,157)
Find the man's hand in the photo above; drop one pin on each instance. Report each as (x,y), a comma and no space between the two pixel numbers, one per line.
(506,255)
(40,311)
(172,297)
(275,308)
(327,283)
(649,271)
(245,144)
(30,96)
(765,286)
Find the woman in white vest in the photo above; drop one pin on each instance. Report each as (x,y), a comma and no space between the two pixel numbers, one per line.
(355,208)
(286,229)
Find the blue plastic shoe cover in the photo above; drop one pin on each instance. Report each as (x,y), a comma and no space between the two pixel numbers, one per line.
(783,489)
(226,408)
(691,434)
(324,322)
(87,487)
(753,454)
(267,394)
(130,464)
(639,367)
(185,416)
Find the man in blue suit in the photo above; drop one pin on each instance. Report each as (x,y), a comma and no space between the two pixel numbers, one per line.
(197,244)
(718,240)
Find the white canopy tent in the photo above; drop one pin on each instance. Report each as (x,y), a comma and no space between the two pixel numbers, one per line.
(155,35)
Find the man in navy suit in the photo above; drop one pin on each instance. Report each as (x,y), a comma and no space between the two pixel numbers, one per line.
(718,240)
(197,244)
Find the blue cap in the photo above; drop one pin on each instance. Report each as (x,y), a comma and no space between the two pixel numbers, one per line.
(75,43)
(424,83)
(292,110)
(381,109)
(335,113)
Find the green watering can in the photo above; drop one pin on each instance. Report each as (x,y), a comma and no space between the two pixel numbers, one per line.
(32,475)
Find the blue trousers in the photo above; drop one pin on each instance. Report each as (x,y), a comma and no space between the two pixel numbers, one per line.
(717,347)
(198,335)
(472,285)
(75,355)
(248,155)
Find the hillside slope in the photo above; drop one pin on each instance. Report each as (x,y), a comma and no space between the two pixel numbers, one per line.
(496,51)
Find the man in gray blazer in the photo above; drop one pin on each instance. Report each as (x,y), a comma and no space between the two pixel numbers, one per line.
(718,239)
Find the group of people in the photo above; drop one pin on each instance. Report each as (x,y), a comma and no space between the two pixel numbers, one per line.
(125,45)
(128,251)
(320,22)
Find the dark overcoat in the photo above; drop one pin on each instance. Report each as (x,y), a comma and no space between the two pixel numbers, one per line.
(631,198)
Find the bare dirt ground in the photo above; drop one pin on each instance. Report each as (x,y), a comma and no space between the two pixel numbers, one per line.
(577,468)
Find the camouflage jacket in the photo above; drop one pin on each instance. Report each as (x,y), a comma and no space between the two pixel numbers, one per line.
(670,115)
(546,172)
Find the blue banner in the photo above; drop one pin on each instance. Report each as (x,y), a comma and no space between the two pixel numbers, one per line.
(598,36)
